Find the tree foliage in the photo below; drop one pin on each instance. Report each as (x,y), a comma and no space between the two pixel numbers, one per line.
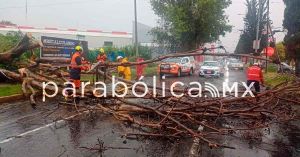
(292,24)
(245,44)
(9,40)
(129,51)
(190,23)
(280,49)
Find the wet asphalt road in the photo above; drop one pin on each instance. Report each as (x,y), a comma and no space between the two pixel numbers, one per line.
(25,132)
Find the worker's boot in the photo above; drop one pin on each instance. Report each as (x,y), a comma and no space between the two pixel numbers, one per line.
(77,100)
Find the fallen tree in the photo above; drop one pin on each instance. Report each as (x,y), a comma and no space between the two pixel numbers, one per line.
(27,43)
(197,52)
(173,117)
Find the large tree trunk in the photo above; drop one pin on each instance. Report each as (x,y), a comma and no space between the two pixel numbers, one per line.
(27,43)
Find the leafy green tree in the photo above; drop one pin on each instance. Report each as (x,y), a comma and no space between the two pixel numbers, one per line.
(292,24)
(129,51)
(190,23)
(245,44)
(281,52)
(9,40)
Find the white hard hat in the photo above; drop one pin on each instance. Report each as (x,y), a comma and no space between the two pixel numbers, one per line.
(257,64)
(119,57)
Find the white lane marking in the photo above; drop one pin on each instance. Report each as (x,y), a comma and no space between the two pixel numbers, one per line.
(40,128)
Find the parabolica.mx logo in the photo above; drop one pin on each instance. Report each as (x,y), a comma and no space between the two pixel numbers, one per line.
(141,89)
(213,90)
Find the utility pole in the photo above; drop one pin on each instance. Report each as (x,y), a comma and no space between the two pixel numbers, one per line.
(257,44)
(26,11)
(135,31)
(268,28)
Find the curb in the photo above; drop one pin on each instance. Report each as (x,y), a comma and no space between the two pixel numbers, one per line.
(11,98)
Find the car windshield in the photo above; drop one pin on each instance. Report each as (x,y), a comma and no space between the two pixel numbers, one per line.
(210,64)
(173,60)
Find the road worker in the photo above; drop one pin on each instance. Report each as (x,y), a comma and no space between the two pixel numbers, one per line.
(76,66)
(124,71)
(101,58)
(255,74)
(140,69)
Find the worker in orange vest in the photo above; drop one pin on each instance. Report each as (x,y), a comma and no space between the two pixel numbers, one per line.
(140,69)
(77,64)
(255,74)
(101,58)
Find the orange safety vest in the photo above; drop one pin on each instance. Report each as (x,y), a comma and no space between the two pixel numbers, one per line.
(73,60)
(255,73)
(101,58)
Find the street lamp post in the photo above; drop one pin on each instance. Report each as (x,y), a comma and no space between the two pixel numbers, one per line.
(135,31)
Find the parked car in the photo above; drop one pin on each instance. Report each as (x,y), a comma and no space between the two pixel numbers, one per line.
(235,64)
(286,68)
(177,66)
(212,68)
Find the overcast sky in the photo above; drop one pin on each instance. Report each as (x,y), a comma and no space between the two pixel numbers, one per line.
(112,15)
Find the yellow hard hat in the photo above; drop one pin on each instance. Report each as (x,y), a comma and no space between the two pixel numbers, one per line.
(102,51)
(78,48)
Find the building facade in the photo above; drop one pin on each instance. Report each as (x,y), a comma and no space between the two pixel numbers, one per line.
(95,38)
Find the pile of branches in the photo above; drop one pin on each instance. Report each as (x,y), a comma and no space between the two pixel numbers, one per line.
(204,118)
(173,117)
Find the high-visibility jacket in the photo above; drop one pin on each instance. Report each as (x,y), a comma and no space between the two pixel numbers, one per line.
(74,64)
(254,73)
(125,70)
(75,70)
(140,68)
(101,58)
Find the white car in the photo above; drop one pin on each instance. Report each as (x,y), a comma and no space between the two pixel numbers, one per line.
(235,64)
(211,68)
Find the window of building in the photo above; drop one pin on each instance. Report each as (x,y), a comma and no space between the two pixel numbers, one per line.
(108,43)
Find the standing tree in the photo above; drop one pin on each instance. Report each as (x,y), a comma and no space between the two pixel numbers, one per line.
(190,23)
(245,44)
(292,24)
